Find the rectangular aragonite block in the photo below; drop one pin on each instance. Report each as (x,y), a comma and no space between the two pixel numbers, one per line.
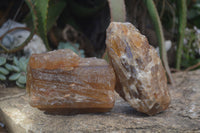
(61,82)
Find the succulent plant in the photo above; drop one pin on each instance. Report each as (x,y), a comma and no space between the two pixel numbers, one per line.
(3,71)
(19,71)
(16,71)
(73,47)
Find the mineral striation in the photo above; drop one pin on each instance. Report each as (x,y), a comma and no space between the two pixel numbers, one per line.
(141,78)
(61,82)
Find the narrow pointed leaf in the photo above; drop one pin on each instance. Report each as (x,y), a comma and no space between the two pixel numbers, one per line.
(54,11)
(42,11)
(22,79)
(14,76)
(9,67)
(22,66)
(20,85)
(2,60)
(15,61)
(4,71)
(2,77)
(16,69)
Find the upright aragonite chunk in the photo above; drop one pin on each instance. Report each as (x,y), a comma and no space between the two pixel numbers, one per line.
(141,78)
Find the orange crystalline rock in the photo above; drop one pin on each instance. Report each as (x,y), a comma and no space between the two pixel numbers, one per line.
(141,78)
(61,82)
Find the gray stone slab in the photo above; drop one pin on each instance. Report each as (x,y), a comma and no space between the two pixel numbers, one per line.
(183,114)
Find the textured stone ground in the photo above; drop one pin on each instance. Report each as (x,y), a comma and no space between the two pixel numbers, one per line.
(183,114)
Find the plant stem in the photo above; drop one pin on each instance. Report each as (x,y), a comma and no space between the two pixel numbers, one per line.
(182,12)
(159,32)
(21,46)
(4,48)
(11,30)
(192,38)
(117,10)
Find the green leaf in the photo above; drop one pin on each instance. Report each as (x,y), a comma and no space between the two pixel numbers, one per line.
(73,47)
(82,11)
(105,56)
(16,69)
(82,53)
(77,45)
(68,45)
(16,61)
(4,71)
(14,76)
(192,14)
(44,14)
(2,60)
(153,13)
(2,77)
(22,67)
(41,9)
(22,59)
(9,67)
(22,64)
(182,19)
(197,6)
(22,79)
(54,11)
(27,60)
(20,85)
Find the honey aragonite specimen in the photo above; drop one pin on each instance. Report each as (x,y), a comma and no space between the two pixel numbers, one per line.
(61,82)
(141,78)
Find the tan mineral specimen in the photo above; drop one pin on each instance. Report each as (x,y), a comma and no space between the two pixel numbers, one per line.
(141,78)
(61,82)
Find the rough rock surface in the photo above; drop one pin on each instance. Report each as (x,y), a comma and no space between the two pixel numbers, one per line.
(61,82)
(141,78)
(183,114)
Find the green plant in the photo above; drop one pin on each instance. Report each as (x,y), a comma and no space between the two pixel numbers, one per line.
(182,17)
(160,35)
(3,71)
(82,10)
(18,70)
(44,14)
(13,50)
(193,13)
(14,71)
(191,48)
(73,47)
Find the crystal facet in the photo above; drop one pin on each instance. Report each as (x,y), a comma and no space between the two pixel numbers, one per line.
(141,78)
(63,83)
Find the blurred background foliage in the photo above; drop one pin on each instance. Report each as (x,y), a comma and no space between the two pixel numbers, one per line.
(81,26)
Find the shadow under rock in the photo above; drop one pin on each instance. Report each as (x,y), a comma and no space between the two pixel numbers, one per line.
(126,109)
